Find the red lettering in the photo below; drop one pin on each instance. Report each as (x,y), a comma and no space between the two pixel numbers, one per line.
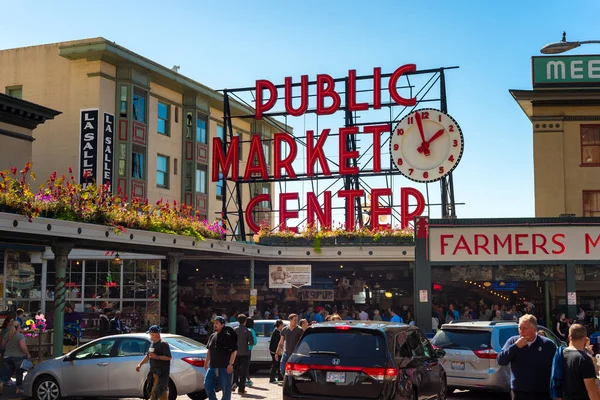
(535,245)
(345,154)
(506,243)
(350,195)
(326,88)
(462,245)
(312,208)
(482,246)
(284,214)
(289,108)
(394,80)
(351,104)
(377,211)
(376,130)
(519,243)
(222,162)
(250,208)
(589,241)
(315,151)
(561,246)
(376,88)
(256,152)
(406,215)
(260,106)
(286,163)
(443,243)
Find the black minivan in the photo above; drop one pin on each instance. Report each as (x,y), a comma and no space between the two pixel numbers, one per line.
(364,360)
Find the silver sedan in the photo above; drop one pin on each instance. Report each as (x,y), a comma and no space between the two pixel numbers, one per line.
(106,368)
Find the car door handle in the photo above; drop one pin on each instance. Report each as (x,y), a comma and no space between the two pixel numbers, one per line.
(102,364)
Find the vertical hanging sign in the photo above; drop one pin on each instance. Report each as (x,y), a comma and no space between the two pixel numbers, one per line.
(88,150)
(107,149)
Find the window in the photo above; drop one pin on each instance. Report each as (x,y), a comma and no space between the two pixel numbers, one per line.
(99,349)
(139,105)
(349,344)
(141,280)
(15,91)
(176,115)
(175,166)
(414,344)
(184,344)
(163,119)
(590,144)
(462,339)
(133,347)
(265,146)
(201,179)
(122,158)
(220,185)
(137,165)
(265,190)
(220,133)
(162,171)
(201,128)
(591,203)
(123,102)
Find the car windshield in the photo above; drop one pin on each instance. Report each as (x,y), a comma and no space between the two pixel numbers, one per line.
(339,343)
(184,344)
(462,339)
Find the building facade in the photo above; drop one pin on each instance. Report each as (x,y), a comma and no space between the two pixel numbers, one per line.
(564,109)
(163,121)
(18,119)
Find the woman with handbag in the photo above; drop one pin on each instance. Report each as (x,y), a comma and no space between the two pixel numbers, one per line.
(5,328)
(16,351)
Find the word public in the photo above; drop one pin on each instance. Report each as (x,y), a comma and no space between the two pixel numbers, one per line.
(226,161)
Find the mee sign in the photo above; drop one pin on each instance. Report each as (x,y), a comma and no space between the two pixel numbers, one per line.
(285,150)
(566,70)
(514,243)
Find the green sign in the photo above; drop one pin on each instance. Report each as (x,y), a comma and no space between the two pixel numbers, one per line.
(566,70)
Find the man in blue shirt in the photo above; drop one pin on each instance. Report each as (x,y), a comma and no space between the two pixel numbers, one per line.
(395,317)
(530,357)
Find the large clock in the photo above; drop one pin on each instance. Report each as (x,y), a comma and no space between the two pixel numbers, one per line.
(426,145)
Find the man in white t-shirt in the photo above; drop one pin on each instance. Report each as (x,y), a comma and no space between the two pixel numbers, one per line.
(363,316)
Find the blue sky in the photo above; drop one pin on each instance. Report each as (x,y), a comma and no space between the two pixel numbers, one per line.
(233,43)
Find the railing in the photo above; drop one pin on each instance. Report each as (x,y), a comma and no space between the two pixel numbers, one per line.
(41,346)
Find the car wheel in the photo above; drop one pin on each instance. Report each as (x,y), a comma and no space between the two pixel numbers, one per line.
(443,389)
(198,395)
(172,391)
(450,391)
(46,388)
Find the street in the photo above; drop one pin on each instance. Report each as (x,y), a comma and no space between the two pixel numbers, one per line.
(263,390)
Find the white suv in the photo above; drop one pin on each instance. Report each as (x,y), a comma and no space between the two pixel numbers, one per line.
(261,357)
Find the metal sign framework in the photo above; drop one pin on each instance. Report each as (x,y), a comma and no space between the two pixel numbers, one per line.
(232,194)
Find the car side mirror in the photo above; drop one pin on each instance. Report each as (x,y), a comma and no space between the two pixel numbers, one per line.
(439,353)
(67,358)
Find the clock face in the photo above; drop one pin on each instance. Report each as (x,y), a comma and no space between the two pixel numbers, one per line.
(426,145)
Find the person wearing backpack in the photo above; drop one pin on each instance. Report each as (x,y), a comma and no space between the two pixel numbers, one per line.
(574,373)
(240,368)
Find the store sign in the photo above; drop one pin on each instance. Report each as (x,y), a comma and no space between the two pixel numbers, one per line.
(504,286)
(285,151)
(288,276)
(535,243)
(317,295)
(108,149)
(566,70)
(88,146)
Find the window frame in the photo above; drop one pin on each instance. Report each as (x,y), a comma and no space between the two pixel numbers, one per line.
(137,92)
(589,213)
(142,168)
(9,89)
(584,151)
(87,346)
(123,340)
(203,118)
(201,168)
(166,120)
(166,172)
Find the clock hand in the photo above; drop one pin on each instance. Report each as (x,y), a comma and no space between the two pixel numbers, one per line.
(424,148)
(420,125)
(436,135)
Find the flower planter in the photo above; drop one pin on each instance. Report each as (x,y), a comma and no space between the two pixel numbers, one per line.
(392,241)
(351,240)
(285,241)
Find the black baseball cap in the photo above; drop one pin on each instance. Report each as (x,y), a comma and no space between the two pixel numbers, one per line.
(221,320)
(154,329)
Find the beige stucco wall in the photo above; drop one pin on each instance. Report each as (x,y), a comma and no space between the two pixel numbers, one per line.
(169,146)
(14,152)
(559,178)
(63,85)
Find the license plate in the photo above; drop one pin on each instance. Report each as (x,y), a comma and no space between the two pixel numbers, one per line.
(460,366)
(336,377)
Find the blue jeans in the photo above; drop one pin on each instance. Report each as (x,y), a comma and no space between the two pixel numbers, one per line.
(284,359)
(12,364)
(218,376)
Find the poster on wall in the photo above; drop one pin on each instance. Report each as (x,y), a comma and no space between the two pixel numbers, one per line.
(317,295)
(108,149)
(572,298)
(88,146)
(287,276)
